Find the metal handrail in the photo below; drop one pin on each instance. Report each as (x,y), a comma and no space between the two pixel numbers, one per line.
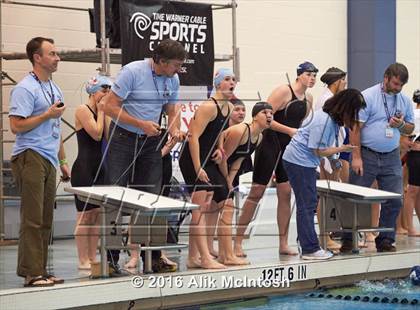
(217,6)
(44,5)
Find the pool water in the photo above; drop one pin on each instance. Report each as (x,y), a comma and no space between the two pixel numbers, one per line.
(395,294)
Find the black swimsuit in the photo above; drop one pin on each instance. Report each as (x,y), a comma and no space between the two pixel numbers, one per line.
(208,143)
(85,170)
(268,156)
(243,151)
(413,165)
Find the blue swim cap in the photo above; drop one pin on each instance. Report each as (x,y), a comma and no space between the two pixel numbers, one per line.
(221,74)
(96,82)
(415,275)
(306,67)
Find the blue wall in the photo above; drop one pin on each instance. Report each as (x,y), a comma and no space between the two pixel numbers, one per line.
(371,40)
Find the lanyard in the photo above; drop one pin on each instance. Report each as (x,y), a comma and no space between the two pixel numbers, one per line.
(50,94)
(165,91)
(386,103)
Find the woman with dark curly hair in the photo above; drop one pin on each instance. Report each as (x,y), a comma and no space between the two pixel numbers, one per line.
(318,137)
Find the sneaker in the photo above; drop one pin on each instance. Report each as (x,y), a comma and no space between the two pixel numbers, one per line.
(346,246)
(115,271)
(386,246)
(162,266)
(318,255)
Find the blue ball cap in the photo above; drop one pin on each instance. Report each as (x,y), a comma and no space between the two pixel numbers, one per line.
(306,67)
(96,82)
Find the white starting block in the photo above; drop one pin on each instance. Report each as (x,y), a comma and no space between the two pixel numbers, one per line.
(347,208)
(116,201)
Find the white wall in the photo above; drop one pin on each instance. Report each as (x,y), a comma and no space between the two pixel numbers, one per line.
(408,41)
(273,36)
(70,30)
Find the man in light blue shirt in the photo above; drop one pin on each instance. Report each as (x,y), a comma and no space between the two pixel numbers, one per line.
(388,113)
(141,90)
(36,106)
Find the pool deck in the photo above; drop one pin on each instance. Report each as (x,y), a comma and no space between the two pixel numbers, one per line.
(198,286)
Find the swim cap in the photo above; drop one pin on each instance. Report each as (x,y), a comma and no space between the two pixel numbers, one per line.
(306,67)
(332,75)
(237,101)
(259,106)
(96,82)
(221,74)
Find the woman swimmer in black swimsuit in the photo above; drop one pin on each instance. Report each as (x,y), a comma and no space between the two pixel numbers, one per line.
(198,163)
(87,169)
(239,142)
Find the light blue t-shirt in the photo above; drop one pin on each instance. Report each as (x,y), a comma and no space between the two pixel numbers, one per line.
(29,98)
(144,93)
(375,118)
(317,132)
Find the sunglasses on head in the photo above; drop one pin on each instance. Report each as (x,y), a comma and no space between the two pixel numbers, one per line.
(106,86)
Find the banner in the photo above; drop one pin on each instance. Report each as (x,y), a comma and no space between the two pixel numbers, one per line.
(146,23)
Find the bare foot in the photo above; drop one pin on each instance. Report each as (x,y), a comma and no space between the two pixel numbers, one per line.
(234,261)
(362,244)
(370,237)
(332,245)
(84,273)
(214,253)
(168,261)
(132,263)
(239,251)
(39,281)
(55,279)
(211,264)
(193,263)
(84,266)
(287,251)
(413,233)
(401,231)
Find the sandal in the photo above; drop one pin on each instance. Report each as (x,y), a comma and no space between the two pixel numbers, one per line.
(54,279)
(162,266)
(36,282)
